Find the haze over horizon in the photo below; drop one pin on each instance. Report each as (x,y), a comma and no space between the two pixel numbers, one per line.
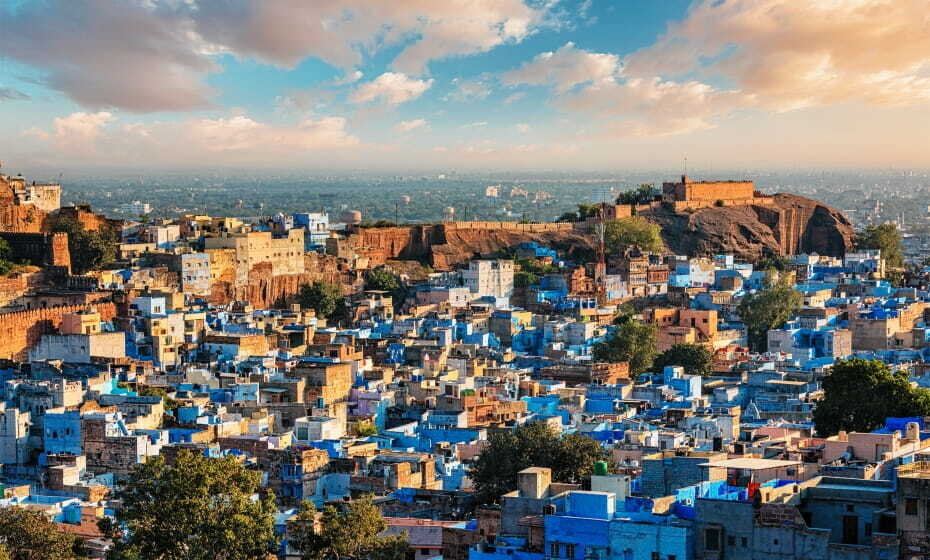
(582,86)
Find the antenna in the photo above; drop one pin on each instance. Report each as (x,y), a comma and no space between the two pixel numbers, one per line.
(685,167)
(600,268)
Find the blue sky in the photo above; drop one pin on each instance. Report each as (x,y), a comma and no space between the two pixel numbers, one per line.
(471,84)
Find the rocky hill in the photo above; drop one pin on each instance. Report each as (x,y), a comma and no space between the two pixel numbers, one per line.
(784,224)
(791,224)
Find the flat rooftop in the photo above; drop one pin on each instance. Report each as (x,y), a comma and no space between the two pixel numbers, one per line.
(750,464)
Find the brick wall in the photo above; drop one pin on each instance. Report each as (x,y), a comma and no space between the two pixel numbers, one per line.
(21,330)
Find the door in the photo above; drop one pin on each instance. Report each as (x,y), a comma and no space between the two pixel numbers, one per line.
(850,529)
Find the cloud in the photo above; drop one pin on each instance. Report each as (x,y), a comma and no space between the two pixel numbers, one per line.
(227,140)
(522,128)
(12,94)
(791,54)
(154,55)
(391,88)
(468,90)
(565,68)
(406,126)
(651,107)
(285,32)
(110,53)
(478,124)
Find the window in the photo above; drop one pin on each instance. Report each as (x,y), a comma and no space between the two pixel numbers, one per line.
(570,550)
(712,538)
(743,542)
(731,541)
(910,506)
(554,550)
(850,508)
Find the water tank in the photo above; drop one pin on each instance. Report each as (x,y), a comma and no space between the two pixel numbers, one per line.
(351,217)
(448,214)
(600,468)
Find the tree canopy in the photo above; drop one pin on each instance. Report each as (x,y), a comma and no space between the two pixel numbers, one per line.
(196,509)
(584,212)
(31,535)
(322,297)
(859,394)
(640,195)
(635,230)
(351,534)
(90,250)
(885,237)
(769,308)
(696,359)
(571,458)
(383,279)
(633,342)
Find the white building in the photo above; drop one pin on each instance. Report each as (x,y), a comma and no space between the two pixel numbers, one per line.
(79,348)
(489,278)
(316,428)
(135,208)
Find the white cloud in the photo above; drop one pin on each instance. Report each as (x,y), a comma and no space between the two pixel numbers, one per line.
(790,54)
(565,68)
(391,88)
(478,124)
(522,128)
(469,90)
(406,126)
(227,140)
(153,55)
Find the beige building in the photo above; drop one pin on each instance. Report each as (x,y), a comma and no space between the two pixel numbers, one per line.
(285,254)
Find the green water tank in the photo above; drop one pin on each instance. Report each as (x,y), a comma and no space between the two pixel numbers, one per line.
(600,468)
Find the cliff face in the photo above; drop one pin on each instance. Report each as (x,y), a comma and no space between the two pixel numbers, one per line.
(791,224)
(443,246)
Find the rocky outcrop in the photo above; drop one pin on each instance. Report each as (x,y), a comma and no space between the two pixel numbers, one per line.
(444,246)
(790,224)
(264,290)
(783,224)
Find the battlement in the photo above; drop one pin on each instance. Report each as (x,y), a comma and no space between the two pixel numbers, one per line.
(688,190)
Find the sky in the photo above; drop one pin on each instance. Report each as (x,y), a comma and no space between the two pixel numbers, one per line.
(370,85)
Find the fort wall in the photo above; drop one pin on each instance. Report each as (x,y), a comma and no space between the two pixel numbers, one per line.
(21,330)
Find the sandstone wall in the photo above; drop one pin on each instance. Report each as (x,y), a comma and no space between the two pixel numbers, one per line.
(266,290)
(21,330)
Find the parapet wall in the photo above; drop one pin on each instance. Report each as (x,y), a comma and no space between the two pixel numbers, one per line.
(21,330)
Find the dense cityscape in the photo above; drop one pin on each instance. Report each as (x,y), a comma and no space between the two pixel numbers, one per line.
(465,280)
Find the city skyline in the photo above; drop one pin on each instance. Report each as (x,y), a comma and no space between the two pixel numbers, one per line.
(471,85)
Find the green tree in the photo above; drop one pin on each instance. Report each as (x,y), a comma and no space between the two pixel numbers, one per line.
(859,394)
(350,534)
(196,509)
(322,297)
(30,535)
(584,212)
(771,261)
(6,258)
(696,359)
(885,237)
(633,342)
(636,230)
(524,279)
(769,308)
(365,429)
(641,195)
(90,250)
(571,458)
(383,279)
